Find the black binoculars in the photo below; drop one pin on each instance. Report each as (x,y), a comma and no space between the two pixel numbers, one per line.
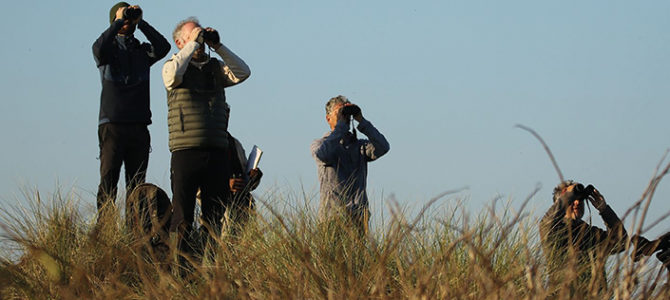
(351,110)
(582,192)
(210,36)
(132,13)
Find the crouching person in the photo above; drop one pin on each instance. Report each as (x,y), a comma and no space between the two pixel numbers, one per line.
(577,252)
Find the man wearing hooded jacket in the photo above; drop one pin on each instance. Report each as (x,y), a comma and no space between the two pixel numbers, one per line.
(125,113)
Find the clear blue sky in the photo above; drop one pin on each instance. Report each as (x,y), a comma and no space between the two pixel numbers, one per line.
(445,81)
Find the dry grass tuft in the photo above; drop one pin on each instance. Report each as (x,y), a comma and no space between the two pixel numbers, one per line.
(287,254)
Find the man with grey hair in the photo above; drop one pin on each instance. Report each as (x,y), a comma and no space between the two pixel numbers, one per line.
(198,123)
(342,161)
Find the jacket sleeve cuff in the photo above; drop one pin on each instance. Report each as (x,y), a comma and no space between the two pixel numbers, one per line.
(116,25)
(141,25)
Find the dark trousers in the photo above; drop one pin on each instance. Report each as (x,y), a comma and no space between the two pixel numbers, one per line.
(127,144)
(208,170)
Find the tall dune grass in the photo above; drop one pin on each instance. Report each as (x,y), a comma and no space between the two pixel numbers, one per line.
(285,253)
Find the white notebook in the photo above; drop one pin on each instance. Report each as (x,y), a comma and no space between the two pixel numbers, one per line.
(254,158)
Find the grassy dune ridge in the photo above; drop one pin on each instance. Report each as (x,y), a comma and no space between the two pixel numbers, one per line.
(285,253)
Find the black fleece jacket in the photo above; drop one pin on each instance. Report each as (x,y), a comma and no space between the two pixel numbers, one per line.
(124,65)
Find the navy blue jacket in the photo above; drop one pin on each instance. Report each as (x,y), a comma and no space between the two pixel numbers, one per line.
(124,71)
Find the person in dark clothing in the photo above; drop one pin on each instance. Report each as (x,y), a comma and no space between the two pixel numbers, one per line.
(576,252)
(197,124)
(239,209)
(124,65)
(241,182)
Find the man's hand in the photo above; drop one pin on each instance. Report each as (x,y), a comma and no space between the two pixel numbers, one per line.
(119,13)
(215,41)
(597,200)
(236,184)
(255,174)
(255,178)
(194,35)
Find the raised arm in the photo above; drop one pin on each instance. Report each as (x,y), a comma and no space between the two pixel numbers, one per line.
(615,237)
(102,47)
(324,150)
(158,46)
(616,234)
(175,67)
(234,69)
(377,145)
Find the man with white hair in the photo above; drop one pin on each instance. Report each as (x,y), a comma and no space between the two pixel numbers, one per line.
(198,122)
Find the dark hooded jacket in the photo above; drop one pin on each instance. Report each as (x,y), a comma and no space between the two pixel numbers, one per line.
(124,71)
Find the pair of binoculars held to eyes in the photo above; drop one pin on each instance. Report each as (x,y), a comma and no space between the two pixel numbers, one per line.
(351,110)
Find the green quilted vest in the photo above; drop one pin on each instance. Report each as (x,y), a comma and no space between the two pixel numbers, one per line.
(197,110)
